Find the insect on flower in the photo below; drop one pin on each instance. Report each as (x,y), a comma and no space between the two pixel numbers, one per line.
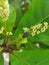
(25,34)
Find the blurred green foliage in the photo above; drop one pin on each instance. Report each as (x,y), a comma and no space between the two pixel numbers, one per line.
(37,12)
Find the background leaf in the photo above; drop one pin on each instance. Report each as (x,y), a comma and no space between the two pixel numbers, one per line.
(1,60)
(38,12)
(34,57)
(12,17)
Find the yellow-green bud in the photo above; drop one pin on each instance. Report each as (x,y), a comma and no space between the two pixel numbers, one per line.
(26,29)
(2,29)
(37,29)
(9,33)
(4,9)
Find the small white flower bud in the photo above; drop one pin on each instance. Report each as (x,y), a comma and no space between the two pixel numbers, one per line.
(26,29)
(33,33)
(43,29)
(10,33)
(38,32)
(21,50)
(22,3)
(39,26)
(34,30)
(37,29)
(46,23)
(1,31)
(7,33)
(2,28)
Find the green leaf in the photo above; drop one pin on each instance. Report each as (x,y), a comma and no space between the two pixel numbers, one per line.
(1,60)
(17,6)
(1,22)
(42,37)
(12,18)
(22,41)
(34,57)
(38,12)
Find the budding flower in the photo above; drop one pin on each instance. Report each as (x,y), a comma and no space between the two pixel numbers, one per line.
(22,3)
(34,27)
(38,32)
(26,29)
(1,30)
(4,9)
(44,28)
(39,26)
(21,50)
(33,33)
(37,29)
(9,33)
(45,23)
